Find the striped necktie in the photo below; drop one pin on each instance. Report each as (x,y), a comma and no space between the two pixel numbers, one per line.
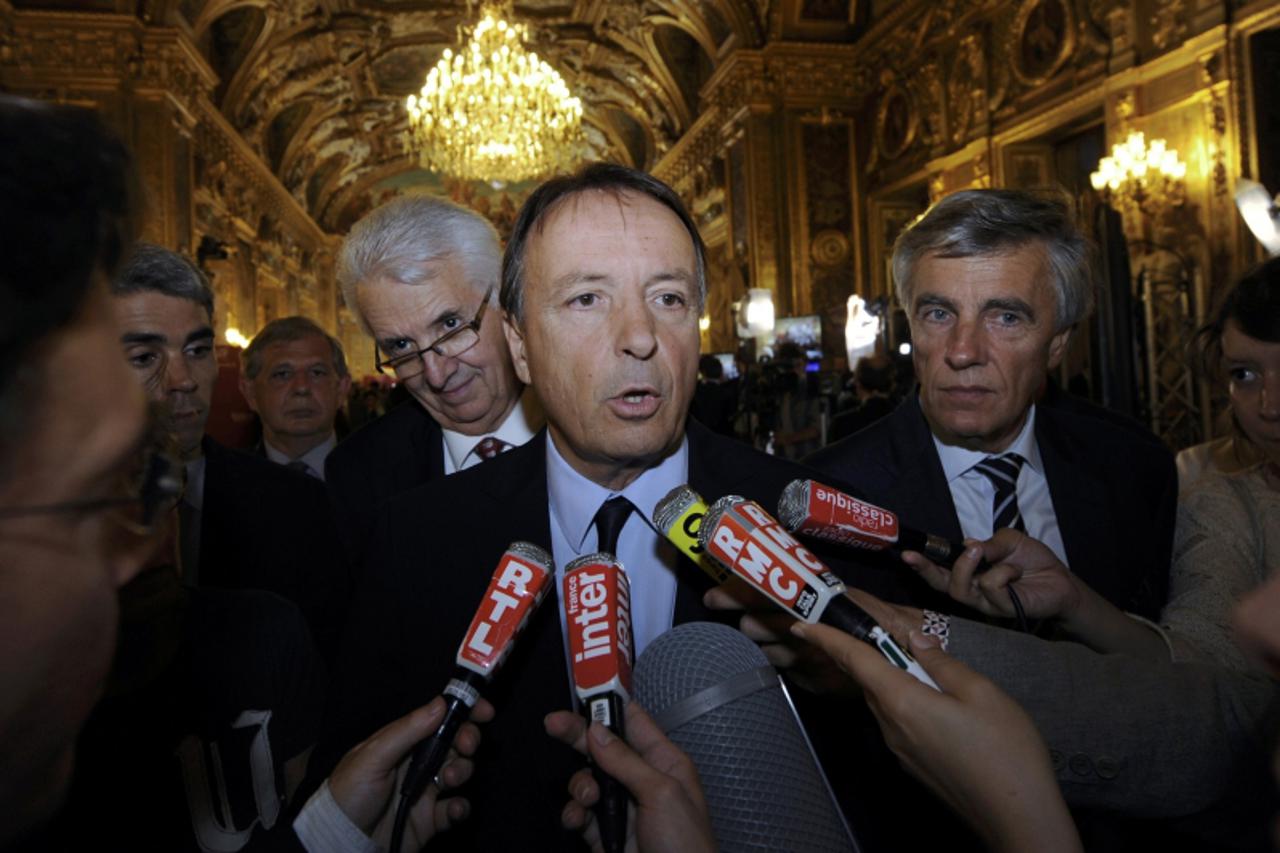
(1003,472)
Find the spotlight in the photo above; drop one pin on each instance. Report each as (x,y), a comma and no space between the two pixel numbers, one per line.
(904,348)
(1261,213)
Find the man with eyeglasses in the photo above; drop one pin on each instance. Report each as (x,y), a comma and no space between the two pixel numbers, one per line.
(295,378)
(420,273)
(245,522)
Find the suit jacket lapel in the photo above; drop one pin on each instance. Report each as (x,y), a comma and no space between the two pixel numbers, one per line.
(712,476)
(212,569)
(918,491)
(1080,501)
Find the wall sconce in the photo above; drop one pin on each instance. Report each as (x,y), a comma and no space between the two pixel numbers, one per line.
(234,337)
(758,311)
(1141,175)
(1261,213)
(861,329)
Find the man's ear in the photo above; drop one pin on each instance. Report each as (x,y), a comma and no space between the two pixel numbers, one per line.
(1058,346)
(515,345)
(246,391)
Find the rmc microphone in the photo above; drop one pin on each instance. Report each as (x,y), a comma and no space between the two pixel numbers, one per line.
(711,690)
(754,546)
(597,614)
(517,588)
(813,509)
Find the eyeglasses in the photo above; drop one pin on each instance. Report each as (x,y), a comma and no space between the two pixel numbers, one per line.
(451,344)
(148,493)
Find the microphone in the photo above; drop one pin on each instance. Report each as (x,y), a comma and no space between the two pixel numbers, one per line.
(597,613)
(517,588)
(814,509)
(678,516)
(714,694)
(752,544)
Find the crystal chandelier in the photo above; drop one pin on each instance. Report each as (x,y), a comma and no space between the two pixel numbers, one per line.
(1146,176)
(494,111)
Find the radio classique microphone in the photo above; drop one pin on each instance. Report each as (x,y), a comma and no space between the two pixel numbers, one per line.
(711,690)
(597,613)
(748,541)
(517,588)
(813,509)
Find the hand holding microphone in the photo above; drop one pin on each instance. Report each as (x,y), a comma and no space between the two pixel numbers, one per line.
(971,743)
(363,784)
(518,586)
(597,611)
(670,813)
(814,509)
(1046,588)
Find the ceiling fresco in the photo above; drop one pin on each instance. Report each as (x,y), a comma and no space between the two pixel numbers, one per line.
(317,88)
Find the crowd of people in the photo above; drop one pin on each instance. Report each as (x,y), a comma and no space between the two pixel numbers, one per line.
(222,650)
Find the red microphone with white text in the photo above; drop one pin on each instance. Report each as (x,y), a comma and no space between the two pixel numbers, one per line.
(517,588)
(597,611)
(752,544)
(813,509)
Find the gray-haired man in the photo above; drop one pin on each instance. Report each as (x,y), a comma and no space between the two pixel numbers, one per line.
(994,282)
(244,523)
(295,378)
(421,275)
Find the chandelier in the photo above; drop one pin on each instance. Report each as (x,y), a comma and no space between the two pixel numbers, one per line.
(494,111)
(1142,175)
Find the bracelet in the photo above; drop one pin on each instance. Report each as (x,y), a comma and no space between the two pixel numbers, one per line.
(937,625)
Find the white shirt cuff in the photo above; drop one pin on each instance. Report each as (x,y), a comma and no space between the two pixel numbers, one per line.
(323,827)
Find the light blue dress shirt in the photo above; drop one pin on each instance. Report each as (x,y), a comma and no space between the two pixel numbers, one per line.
(649,559)
(972,493)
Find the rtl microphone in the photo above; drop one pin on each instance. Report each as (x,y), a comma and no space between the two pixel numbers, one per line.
(517,588)
(597,611)
(814,509)
(754,546)
(678,516)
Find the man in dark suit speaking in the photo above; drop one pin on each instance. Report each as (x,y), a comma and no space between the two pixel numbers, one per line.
(603,284)
(993,282)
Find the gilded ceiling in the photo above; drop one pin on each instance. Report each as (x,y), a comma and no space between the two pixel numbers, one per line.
(317,88)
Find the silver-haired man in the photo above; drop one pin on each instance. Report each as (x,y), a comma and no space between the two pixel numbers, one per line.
(421,275)
(994,282)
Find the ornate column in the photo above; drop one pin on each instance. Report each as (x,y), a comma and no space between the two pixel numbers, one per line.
(780,117)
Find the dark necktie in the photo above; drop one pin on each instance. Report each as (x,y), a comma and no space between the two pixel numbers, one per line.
(1003,471)
(609,521)
(299,465)
(491,447)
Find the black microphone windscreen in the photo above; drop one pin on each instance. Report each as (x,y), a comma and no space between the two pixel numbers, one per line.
(716,696)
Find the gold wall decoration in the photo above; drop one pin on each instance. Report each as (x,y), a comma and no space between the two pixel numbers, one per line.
(896,121)
(966,89)
(829,248)
(1042,38)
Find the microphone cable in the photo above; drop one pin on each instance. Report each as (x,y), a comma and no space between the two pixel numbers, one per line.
(1019,613)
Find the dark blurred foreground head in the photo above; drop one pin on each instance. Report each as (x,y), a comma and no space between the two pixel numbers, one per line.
(71,422)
